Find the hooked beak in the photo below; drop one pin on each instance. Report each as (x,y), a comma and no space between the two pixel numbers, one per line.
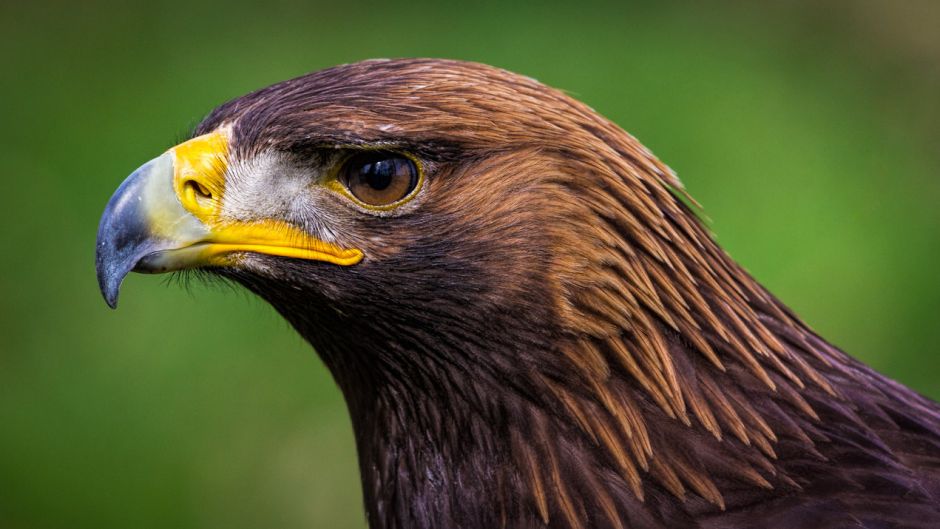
(167,215)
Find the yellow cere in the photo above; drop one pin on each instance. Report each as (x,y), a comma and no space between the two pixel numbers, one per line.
(199,167)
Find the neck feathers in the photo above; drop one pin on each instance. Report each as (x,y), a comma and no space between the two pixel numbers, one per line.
(671,375)
(652,381)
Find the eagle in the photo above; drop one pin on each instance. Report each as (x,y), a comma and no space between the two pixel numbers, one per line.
(529,322)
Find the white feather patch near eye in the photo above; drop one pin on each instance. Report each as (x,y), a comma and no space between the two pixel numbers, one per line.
(270,185)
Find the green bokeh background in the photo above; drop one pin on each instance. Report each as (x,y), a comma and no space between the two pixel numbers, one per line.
(808,132)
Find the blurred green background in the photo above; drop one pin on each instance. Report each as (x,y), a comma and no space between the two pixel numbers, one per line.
(809,132)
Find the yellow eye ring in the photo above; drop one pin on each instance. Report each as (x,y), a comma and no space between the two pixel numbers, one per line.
(378,180)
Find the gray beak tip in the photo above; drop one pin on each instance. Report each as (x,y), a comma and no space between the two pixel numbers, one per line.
(111,266)
(123,238)
(109,281)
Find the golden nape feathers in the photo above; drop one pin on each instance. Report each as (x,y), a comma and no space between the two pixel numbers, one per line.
(536,331)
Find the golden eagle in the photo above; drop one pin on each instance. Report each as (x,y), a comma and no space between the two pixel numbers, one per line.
(530,325)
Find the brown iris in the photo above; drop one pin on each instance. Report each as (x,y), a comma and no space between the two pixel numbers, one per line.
(379,178)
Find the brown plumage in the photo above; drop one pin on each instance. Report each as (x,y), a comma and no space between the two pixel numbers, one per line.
(547,336)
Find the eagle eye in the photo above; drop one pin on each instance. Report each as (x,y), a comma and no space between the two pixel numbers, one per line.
(379,178)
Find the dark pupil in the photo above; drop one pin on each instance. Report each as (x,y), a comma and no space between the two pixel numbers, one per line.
(378,175)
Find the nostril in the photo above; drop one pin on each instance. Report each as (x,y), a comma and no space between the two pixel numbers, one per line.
(197,192)
(201,189)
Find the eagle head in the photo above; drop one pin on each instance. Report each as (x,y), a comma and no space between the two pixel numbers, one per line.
(393,211)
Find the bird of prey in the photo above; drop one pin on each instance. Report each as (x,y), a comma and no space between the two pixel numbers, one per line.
(529,323)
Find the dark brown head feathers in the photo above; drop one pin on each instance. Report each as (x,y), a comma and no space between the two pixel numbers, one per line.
(551,337)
